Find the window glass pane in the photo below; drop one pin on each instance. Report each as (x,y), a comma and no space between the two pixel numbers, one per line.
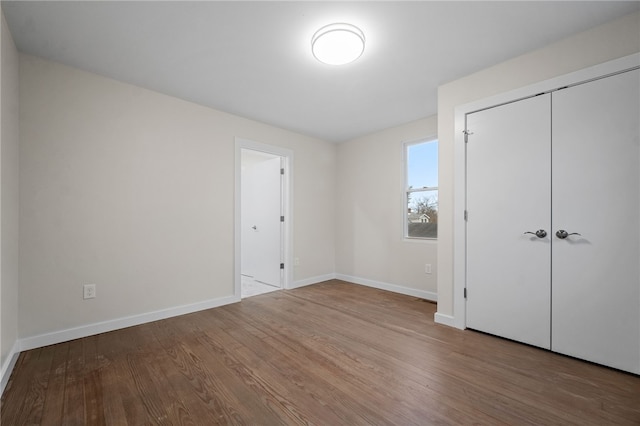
(422,214)
(422,165)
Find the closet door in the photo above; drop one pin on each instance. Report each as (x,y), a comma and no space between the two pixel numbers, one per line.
(508,194)
(596,193)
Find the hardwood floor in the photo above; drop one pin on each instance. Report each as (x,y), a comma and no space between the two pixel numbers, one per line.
(328,354)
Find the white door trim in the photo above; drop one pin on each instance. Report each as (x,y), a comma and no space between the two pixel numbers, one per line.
(459,172)
(287,194)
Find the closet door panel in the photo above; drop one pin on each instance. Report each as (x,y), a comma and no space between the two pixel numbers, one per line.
(508,194)
(596,193)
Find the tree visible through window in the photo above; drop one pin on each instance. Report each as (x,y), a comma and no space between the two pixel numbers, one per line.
(421,189)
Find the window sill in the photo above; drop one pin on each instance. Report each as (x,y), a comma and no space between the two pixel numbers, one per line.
(419,240)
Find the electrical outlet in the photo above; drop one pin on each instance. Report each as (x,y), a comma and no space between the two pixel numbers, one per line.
(89,291)
(427,268)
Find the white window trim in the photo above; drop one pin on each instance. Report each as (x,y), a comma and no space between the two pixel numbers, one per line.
(406,190)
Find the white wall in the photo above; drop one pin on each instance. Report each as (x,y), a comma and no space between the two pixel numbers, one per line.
(370,248)
(603,43)
(8,201)
(134,191)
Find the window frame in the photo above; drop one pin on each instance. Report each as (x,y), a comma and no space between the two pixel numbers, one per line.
(406,191)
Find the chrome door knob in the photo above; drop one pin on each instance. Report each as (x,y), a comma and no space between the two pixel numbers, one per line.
(562,234)
(540,233)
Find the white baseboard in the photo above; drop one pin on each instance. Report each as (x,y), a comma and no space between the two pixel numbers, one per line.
(312,280)
(443,319)
(422,294)
(8,365)
(116,324)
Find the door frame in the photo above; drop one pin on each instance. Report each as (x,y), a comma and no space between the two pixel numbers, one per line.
(287,201)
(458,319)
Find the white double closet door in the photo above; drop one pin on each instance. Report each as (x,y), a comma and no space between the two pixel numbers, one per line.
(564,164)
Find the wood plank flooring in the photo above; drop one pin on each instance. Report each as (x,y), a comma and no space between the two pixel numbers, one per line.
(328,354)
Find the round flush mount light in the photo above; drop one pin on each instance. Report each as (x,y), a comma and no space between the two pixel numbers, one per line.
(337,44)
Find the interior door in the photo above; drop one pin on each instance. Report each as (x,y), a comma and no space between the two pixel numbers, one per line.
(261,234)
(508,194)
(596,193)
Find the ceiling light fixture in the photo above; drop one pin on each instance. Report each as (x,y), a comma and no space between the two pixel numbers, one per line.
(337,44)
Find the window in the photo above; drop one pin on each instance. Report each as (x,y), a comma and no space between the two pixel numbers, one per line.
(421,189)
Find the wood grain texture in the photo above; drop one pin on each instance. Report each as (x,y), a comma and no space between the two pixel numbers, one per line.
(328,354)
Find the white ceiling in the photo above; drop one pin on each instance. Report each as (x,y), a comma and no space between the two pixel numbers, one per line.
(253,59)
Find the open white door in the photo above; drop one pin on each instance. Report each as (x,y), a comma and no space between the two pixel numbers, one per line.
(261,209)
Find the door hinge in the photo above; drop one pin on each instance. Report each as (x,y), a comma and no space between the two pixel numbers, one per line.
(466,135)
(281,171)
(281,218)
(466,215)
(282,266)
(465,292)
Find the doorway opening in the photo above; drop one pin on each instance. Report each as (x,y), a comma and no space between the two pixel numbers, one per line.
(263,218)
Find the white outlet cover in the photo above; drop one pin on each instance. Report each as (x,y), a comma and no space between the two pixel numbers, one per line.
(89,291)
